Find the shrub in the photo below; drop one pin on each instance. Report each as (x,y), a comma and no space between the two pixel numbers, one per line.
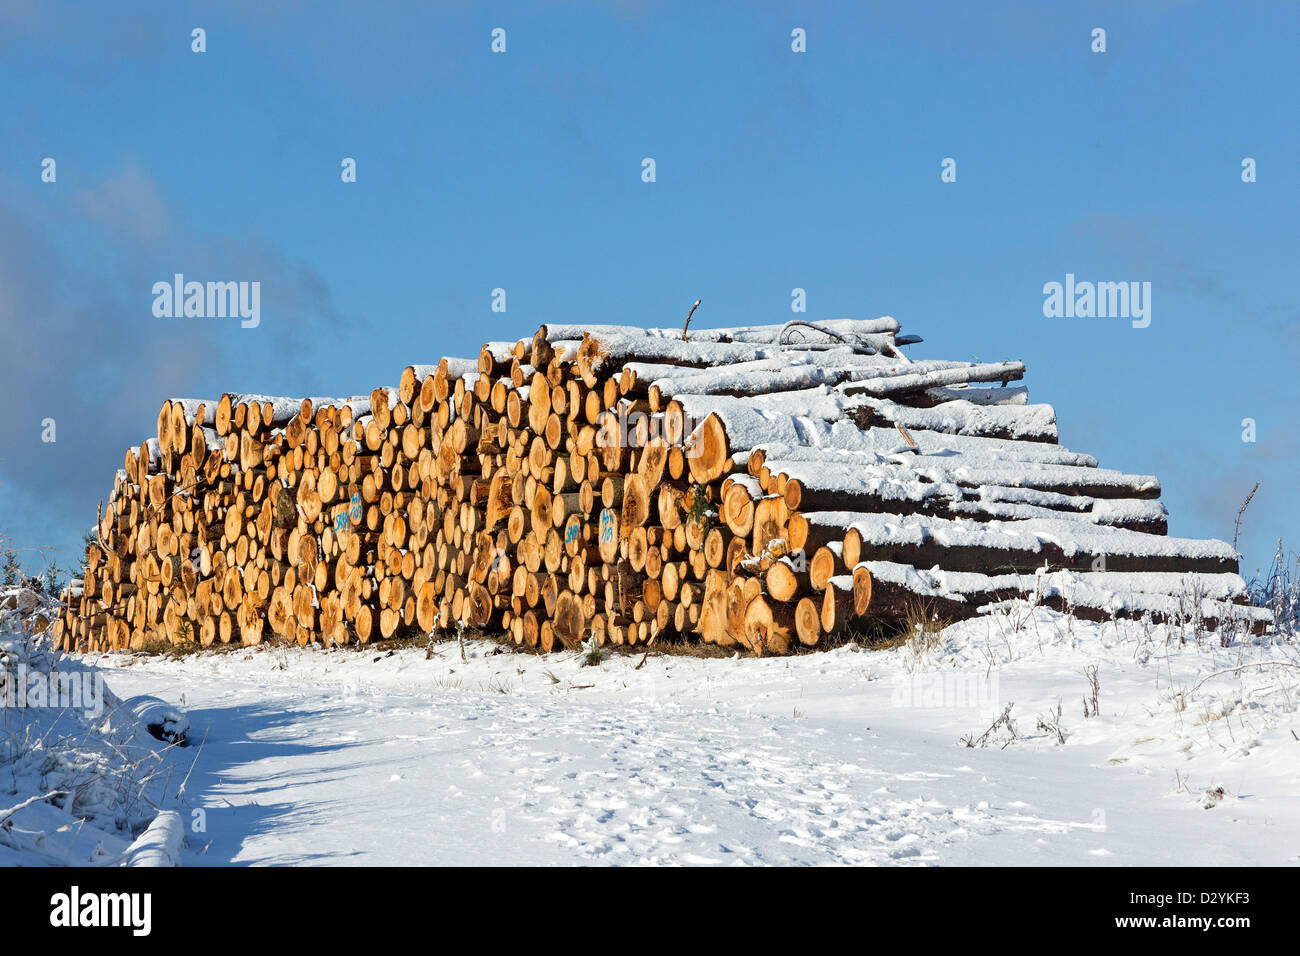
(1279,591)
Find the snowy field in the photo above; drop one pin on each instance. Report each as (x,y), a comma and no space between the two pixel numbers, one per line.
(417,756)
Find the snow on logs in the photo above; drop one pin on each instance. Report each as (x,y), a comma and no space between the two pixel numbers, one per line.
(758,487)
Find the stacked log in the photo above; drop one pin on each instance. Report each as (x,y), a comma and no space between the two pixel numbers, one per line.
(757,488)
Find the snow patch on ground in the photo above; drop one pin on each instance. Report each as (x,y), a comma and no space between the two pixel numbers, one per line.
(80,774)
(415,756)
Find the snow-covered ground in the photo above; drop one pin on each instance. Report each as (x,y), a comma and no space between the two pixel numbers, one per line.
(83,780)
(416,756)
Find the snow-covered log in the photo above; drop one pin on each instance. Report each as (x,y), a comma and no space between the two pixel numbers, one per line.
(160,844)
(963,545)
(851,329)
(976,395)
(917,380)
(896,589)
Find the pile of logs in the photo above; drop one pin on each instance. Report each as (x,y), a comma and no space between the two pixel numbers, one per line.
(755,487)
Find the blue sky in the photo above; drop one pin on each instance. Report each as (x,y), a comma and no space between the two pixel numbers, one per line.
(775,170)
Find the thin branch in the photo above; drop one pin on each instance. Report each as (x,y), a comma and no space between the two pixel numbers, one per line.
(688,318)
(1241,512)
(6,814)
(1242,667)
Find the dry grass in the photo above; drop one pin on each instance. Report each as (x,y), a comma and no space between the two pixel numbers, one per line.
(676,647)
(923,621)
(159,646)
(918,628)
(664,644)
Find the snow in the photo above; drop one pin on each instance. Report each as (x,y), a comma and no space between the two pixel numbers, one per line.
(749,483)
(782,373)
(918,376)
(901,484)
(1134,592)
(848,756)
(1097,510)
(79,773)
(843,367)
(191,408)
(1072,537)
(808,416)
(360,404)
(856,329)
(952,477)
(1030,422)
(1037,476)
(720,347)
(160,845)
(161,719)
(977,395)
(434,755)
(283,407)
(847,444)
(891,481)
(1116,510)
(750,422)
(462,368)
(421,372)
(859,330)
(614,348)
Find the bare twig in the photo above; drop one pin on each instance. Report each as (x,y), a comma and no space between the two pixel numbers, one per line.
(688,318)
(180,791)
(1238,669)
(1051,724)
(1236,528)
(970,740)
(1094,687)
(6,814)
